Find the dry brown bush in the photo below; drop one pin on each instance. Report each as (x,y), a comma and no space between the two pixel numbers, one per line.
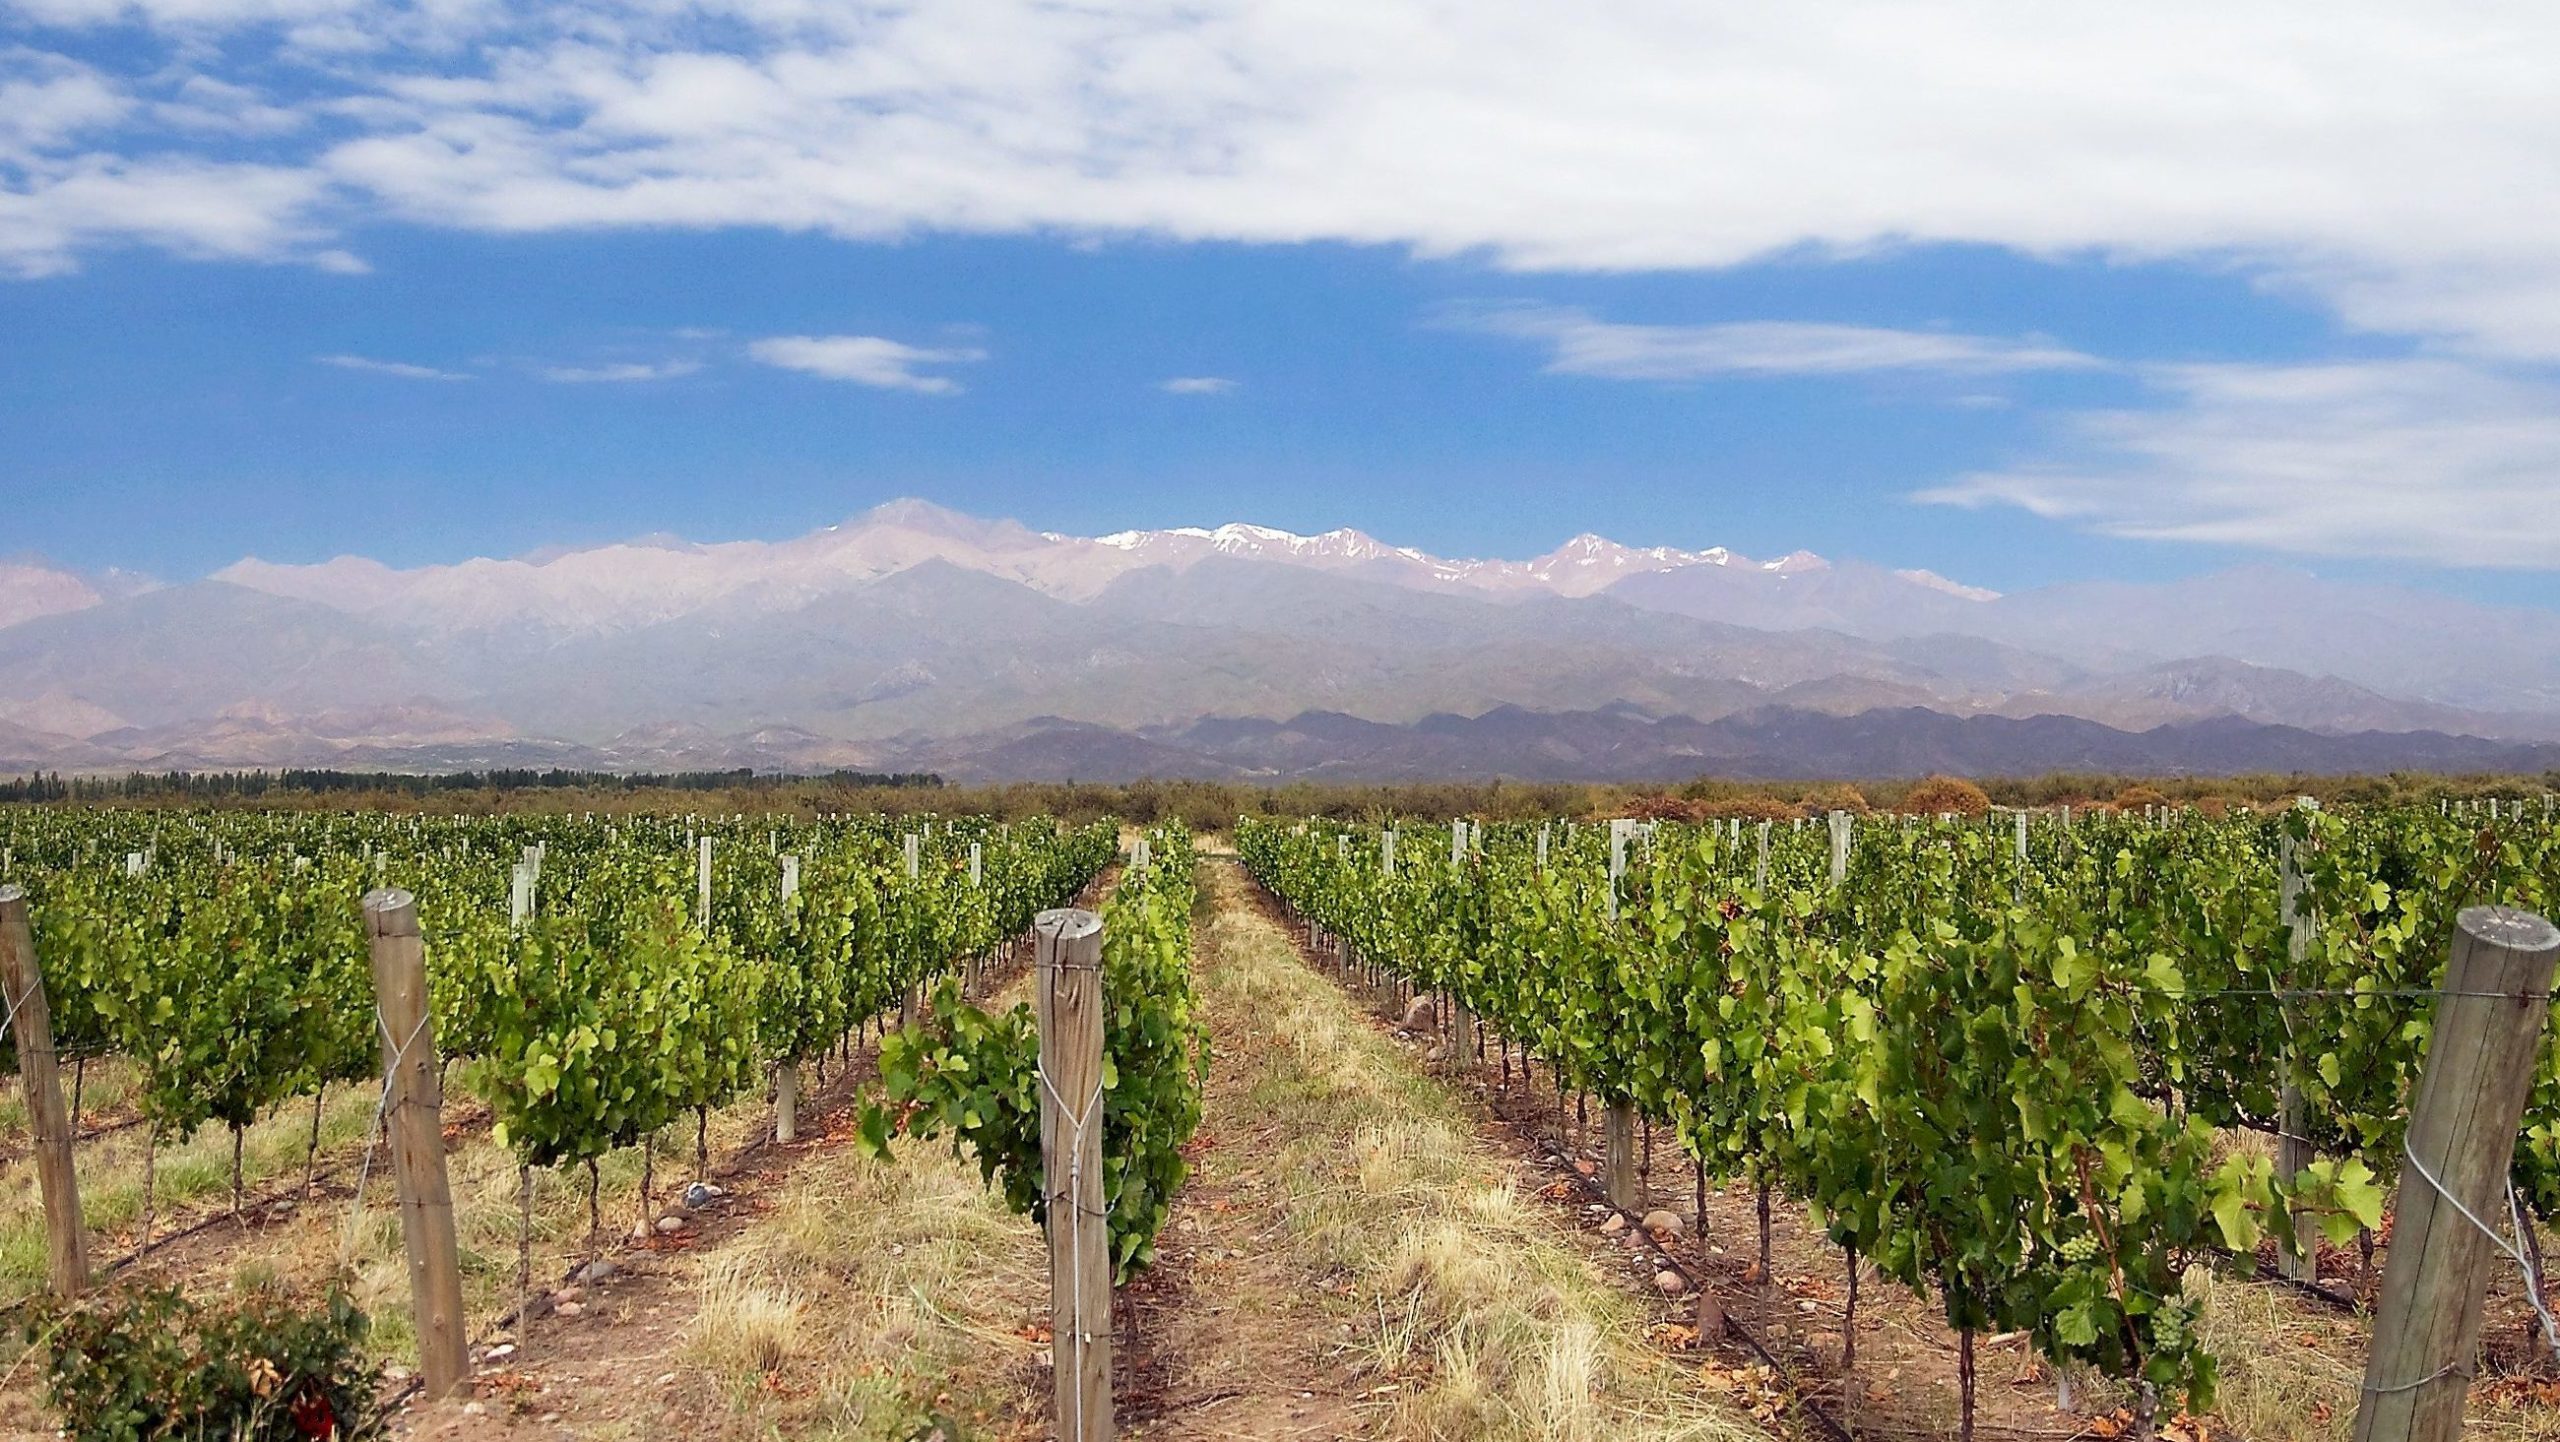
(1840,796)
(1748,808)
(1938,795)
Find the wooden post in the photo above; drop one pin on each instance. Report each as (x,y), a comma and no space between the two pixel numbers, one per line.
(413,1113)
(2301,1261)
(786,1076)
(66,1248)
(2462,1134)
(1070,1016)
(1618,1135)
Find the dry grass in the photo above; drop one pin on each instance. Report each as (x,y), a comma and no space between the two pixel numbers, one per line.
(1496,1329)
(747,1327)
(2291,1372)
(873,1300)
(188,1179)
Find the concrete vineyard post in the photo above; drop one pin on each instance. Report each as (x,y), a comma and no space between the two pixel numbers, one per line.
(1840,825)
(1760,870)
(413,1114)
(1619,831)
(1459,1044)
(786,1102)
(786,1074)
(2463,1120)
(66,1248)
(702,885)
(1070,1017)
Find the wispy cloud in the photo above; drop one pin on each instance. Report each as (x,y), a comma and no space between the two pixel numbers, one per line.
(1197,385)
(1579,343)
(620,373)
(402,369)
(867,360)
(2428,460)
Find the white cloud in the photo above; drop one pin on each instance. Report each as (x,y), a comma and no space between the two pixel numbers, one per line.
(402,369)
(208,106)
(1196,385)
(196,209)
(622,372)
(1582,345)
(2391,160)
(868,360)
(2427,460)
(46,101)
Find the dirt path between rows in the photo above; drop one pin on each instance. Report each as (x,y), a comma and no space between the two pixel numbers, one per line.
(1227,1337)
(1354,1258)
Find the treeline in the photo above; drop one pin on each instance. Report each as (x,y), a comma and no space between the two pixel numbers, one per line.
(196,788)
(1214,805)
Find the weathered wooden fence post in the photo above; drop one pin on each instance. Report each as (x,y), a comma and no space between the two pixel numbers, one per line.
(66,1249)
(1459,1046)
(911,1002)
(2301,1261)
(1070,1015)
(413,1112)
(2453,1180)
(1618,1151)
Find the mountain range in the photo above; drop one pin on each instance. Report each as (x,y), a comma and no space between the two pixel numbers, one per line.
(914,637)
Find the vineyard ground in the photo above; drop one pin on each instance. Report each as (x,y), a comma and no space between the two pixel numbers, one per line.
(1366,1249)
(2291,1365)
(1350,1259)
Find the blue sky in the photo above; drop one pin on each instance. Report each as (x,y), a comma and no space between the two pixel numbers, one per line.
(301,277)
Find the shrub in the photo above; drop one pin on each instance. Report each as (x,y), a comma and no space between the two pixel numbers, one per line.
(1664,808)
(1749,808)
(1840,797)
(1937,795)
(2134,798)
(148,1364)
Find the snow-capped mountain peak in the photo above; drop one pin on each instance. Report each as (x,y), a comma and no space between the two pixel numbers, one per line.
(1936,582)
(658,578)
